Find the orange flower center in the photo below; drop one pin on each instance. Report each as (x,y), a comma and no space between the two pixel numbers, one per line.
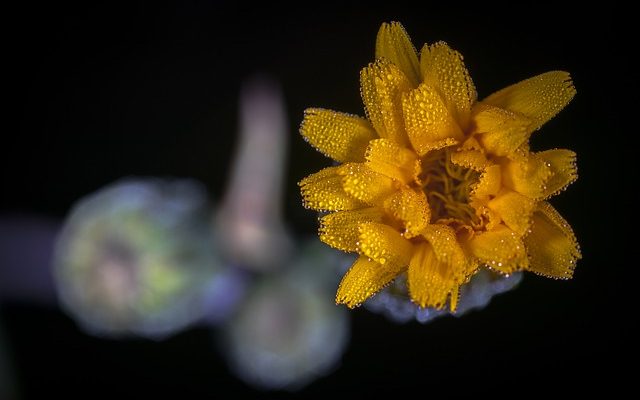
(448,187)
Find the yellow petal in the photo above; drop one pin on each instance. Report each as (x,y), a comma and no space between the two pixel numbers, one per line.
(364,279)
(489,184)
(442,68)
(491,219)
(381,86)
(514,209)
(323,191)
(384,245)
(343,137)
(365,184)
(473,159)
(501,132)
(539,98)
(340,229)
(552,246)
(528,176)
(428,121)
(455,296)
(447,249)
(470,155)
(500,249)
(393,43)
(389,158)
(563,170)
(410,207)
(430,280)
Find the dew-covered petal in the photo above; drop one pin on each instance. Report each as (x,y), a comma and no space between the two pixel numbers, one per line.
(470,155)
(500,249)
(443,68)
(429,124)
(323,191)
(394,44)
(563,167)
(473,159)
(430,280)
(500,132)
(527,176)
(384,245)
(387,157)
(365,184)
(343,137)
(382,85)
(411,207)
(552,246)
(514,209)
(364,279)
(340,229)
(539,98)
(447,249)
(488,185)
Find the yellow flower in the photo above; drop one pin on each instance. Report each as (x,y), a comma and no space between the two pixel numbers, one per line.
(436,184)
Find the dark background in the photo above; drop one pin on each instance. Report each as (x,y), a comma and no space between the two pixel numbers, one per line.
(104,92)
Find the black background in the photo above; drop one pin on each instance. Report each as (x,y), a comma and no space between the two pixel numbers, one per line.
(109,91)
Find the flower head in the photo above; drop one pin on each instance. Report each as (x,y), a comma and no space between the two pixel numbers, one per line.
(134,258)
(436,184)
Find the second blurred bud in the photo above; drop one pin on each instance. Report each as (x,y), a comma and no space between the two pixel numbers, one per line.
(249,223)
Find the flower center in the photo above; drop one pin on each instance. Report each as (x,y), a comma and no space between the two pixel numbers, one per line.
(448,187)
